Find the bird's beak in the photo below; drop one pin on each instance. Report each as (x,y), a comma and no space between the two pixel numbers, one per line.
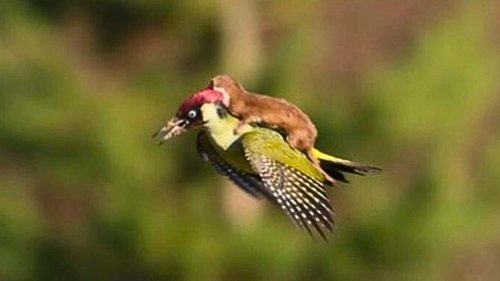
(172,128)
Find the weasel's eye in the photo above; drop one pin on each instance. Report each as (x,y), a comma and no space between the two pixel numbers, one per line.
(192,114)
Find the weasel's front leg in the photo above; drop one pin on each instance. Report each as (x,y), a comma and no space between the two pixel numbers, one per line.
(246,121)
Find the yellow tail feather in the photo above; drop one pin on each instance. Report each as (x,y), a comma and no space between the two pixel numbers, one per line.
(330,158)
(335,167)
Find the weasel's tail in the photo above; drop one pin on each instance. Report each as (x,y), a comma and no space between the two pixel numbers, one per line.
(335,167)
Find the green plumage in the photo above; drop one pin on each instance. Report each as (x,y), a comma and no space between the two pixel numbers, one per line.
(269,143)
(262,163)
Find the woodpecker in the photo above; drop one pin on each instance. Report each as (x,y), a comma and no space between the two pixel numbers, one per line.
(261,162)
(272,112)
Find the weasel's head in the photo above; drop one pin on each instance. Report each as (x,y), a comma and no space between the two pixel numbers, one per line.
(228,86)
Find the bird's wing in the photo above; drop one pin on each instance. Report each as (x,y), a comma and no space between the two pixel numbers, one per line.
(300,194)
(251,183)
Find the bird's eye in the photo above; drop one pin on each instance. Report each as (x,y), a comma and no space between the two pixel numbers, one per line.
(192,114)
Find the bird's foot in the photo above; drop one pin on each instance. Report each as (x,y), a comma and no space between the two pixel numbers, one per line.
(328,179)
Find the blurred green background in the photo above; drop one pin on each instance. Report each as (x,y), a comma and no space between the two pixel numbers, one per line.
(85,194)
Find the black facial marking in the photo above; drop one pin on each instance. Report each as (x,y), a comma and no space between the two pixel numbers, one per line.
(221,112)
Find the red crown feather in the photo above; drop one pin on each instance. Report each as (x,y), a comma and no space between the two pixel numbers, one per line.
(199,98)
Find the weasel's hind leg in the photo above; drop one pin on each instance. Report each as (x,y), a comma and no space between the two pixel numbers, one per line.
(316,163)
(305,144)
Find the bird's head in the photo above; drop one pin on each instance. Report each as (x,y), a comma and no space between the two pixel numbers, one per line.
(196,111)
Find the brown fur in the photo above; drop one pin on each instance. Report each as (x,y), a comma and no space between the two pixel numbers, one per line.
(272,112)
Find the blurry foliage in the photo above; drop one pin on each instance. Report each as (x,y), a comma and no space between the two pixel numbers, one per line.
(86,195)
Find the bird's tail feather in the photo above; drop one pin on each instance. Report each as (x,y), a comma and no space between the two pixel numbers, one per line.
(335,167)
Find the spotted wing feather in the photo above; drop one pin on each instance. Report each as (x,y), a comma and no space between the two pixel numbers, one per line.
(303,198)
